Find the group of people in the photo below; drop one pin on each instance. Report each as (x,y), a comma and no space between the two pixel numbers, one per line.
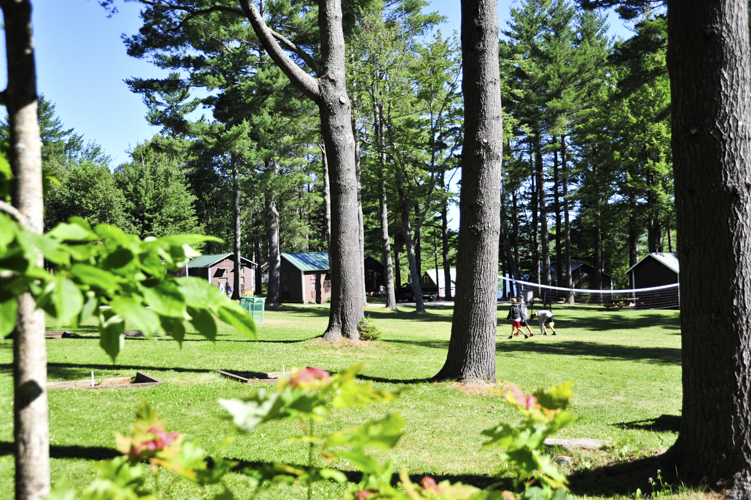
(225,289)
(518,314)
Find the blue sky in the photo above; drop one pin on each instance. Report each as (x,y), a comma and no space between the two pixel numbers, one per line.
(82,65)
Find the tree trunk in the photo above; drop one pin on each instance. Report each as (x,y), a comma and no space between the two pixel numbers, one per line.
(566,221)
(534,274)
(633,233)
(326,195)
(336,125)
(708,62)
(259,272)
(515,234)
(409,244)
(360,223)
(236,292)
(471,354)
(447,294)
(273,291)
(30,417)
(383,209)
(558,221)
(398,265)
(544,235)
(329,92)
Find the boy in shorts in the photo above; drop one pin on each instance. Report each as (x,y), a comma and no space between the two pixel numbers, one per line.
(545,318)
(515,315)
(525,315)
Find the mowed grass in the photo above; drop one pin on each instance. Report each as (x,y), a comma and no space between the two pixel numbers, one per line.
(625,363)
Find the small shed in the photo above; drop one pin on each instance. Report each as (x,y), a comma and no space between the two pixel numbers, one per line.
(375,274)
(655,269)
(583,275)
(220,268)
(305,277)
(429,280)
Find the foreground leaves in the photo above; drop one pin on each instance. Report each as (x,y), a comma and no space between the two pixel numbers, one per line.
(114,276)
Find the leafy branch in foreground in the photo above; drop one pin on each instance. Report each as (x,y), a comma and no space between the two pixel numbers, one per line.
(114,276)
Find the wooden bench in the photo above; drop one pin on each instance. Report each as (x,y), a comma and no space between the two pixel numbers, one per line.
(619,303)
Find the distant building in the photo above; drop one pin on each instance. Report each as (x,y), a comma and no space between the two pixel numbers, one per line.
(583,276)
(220,268)
(305,277)
(429,281)
(375,274)
(655,269)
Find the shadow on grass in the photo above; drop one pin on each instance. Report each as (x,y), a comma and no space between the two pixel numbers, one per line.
(663,423)
(666,355)
(477,480)
(620,320)
(621,479)
(70,451)
(395,380)
(429,316)
(67,371)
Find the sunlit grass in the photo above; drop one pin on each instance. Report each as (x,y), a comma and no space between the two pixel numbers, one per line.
(626,366)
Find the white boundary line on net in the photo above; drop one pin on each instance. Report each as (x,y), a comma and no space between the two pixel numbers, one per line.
(528,284)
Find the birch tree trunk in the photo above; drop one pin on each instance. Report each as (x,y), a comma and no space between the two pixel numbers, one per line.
(30,414)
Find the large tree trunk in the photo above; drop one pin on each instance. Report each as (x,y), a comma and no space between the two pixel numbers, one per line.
(30,422)
(329,92)
(409,244)
(534,274)
(336,124)
(515,234)
(471,354)
(708,61)
(236,292)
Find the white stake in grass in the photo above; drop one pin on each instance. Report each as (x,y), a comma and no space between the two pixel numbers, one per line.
(92,378)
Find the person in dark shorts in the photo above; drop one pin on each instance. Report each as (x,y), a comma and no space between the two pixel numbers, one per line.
(545,318)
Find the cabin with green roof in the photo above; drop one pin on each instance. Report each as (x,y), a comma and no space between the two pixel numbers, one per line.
(305,277)
(220,269)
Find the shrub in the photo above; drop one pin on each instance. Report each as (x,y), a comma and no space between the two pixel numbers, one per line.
(368,330)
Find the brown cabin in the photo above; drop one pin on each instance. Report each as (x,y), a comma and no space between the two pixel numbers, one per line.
(305,277)
(220,268)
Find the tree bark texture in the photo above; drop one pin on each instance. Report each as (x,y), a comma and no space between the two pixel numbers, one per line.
(336,126)
(409,243)
(383,211)
(558,221)
(544,234)
(471,354)
(258,291)
(30,414)
(708,63)
(568,282)
(326,195)
(329,92)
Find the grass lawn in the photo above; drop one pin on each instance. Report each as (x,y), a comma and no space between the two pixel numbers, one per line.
(626,365)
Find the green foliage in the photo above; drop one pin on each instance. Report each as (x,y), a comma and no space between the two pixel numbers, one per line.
(543,415)
(368,331)
(103,266)
(123,478)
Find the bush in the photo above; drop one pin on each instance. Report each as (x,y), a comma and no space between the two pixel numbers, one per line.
(368,330)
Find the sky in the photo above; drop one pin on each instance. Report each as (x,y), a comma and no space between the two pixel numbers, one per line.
(82,64)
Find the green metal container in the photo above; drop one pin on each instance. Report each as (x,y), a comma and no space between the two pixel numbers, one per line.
(255,307)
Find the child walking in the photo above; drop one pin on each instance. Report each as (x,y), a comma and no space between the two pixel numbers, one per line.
(515,315)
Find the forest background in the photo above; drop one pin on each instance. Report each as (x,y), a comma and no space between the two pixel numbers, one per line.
(585,114)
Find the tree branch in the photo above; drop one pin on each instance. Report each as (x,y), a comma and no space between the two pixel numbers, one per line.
(303,81)
(15,215)
(287,44)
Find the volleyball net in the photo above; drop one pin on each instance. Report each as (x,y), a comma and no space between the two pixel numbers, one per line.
(659,297)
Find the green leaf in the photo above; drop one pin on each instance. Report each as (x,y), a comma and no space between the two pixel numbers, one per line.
(7,231)
(555,398)
(111,336)
(93,276)
(166,299)
(260,407)
(234,315)
(173,327)
(89,306)
(15,260)
(71,232)
(50,248)
(361,460)
(199,293)
(204,322)
(333,474)
(121,259)
(67,299)
(8,312)
(384,433)
(178,240)
(132,310)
